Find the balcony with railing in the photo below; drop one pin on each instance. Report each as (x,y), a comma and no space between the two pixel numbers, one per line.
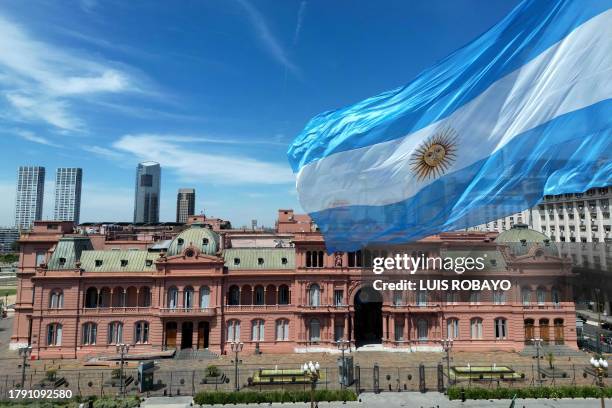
(188,311)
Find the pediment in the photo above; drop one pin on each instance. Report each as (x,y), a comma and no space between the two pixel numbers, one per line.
(191,255)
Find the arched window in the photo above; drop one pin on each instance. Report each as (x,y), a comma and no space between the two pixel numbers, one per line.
(172,298)
(499,297)
(541,295)
(501,328)
(119,297)
(476,328)
(315,330)
(54,334)
(141,332)
(314,295)
(452,328)
(234,295)
(56,299)
(115,333)
(233,330)
(89,333)
(91,298)
(259,295)
(257,330)
(422,329)
(282,330)
(526,296)
(283,295)
(204,297)
(188,298)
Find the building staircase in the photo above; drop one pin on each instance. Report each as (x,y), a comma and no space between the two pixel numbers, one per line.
(190,354)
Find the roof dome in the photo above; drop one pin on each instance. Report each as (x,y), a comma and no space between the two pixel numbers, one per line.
(197,235)
(520,239)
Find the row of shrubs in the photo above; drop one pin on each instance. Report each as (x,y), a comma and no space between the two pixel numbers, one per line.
(245,397)
(530,392)
(105,402)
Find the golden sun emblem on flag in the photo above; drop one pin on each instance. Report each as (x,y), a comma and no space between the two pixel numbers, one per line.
(435,155)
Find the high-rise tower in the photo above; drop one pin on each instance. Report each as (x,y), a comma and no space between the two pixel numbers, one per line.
(185,204)
(30,192)
(146,200)
(68,183)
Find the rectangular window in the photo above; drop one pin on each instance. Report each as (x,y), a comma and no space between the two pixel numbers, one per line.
(146,180)
(338,297)
(40,258)
(233,330)
(476,329)
(258,330)
(282,330)
(399,330)
(452,328)
(339,331)
(500,329)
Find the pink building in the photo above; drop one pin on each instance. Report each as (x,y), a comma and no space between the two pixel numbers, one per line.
(278,292)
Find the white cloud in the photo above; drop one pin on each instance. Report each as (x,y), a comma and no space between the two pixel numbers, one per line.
(176,153)
(104,152)
(32,137)
(271,44)
(41,80)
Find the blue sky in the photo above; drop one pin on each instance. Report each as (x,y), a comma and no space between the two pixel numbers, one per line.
(213,90)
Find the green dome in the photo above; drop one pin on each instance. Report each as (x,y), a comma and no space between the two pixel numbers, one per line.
(520,239)
(197,235)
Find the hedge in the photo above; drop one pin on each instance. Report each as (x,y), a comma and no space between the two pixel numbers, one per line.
(211,398)
(530,392)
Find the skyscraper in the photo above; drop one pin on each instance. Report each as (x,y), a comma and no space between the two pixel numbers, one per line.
(30,192)
(185,204)
(68,194)
(146,201)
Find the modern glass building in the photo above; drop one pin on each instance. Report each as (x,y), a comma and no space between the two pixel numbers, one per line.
(29,198)
(8,236)
(68,194)
(146,200)
(185,204)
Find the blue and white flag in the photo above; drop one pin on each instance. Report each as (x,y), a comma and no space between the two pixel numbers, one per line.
(521,112)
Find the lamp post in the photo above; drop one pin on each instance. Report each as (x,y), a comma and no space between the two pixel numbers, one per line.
(122,349)
(312,372)
(236,347)
(538,343)
(24,353)
(343,345)
(447,345)
(601,366)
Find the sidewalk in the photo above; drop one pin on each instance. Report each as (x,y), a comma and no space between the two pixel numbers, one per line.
(399,400)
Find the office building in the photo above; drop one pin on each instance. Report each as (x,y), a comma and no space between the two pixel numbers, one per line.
(146,200)
(8,237)
(185,204)
(68,194)
(572,217)
(30,193)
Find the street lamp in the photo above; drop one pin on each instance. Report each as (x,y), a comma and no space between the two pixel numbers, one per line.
(312,372)
(538,344)
(343,345)
(122,350)
(447,345)
(24,353)
(601,367)
(236,348)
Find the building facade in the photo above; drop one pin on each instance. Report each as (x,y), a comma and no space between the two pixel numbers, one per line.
(279,292)
(30,193)
(68,182)
(572,217)
(8,237)
(147,190)
(185,204)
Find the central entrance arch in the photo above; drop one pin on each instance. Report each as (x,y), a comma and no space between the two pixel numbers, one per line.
(368,317)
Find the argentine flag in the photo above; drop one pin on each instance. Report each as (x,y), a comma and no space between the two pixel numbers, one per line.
(521,112)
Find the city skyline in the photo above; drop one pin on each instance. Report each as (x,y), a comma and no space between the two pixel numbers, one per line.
(238,81)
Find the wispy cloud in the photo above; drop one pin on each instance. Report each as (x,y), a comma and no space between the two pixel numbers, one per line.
(268,40)
(176,153)
(104,152)
(32,137)
(298,25)
(41,81)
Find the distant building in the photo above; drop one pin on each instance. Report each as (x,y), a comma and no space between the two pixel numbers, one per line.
(146,200)
(68,194)
(572,217)
(30,193)
(185,204)
(8,236)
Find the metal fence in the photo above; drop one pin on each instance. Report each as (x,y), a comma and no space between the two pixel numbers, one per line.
(105,382)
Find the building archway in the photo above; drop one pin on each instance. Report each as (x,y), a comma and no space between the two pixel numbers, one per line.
(171,335)
(187,335)
(203,335)
(368,327)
